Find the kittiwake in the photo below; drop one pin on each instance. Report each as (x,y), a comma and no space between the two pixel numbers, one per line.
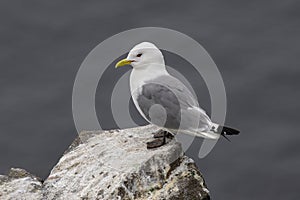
(165,101)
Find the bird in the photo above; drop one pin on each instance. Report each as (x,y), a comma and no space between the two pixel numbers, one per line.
(165,101)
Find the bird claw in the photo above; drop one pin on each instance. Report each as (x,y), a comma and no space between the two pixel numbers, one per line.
(156,143)
(161,139)
(162,133)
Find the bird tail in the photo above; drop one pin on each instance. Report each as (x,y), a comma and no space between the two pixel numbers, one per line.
(214,133)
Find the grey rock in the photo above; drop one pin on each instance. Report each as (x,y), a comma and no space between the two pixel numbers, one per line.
(112,165)
(20,184)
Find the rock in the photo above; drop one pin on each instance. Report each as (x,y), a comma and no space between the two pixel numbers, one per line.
(113,165)
(20,184)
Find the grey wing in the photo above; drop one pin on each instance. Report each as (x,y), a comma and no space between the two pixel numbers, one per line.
(177,106)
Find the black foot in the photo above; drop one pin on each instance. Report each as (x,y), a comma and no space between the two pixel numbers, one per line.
(156,143)
(162,133)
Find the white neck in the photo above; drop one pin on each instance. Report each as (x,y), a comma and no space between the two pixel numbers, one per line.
(141,75)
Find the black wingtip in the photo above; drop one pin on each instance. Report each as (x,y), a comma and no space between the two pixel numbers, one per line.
(228,131)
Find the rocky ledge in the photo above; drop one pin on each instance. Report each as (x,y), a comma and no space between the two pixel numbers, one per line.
(112,165)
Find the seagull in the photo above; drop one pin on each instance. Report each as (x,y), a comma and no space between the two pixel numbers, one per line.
(164,101)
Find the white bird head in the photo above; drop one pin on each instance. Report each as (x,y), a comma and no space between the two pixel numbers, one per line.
(142,55)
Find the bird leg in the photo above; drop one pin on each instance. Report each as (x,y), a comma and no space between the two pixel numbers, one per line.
(160,140)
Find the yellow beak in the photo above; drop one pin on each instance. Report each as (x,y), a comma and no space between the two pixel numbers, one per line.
(123,63)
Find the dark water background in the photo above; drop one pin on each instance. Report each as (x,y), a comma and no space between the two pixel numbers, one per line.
(255,44)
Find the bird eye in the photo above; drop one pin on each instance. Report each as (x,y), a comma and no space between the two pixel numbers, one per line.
(139,55)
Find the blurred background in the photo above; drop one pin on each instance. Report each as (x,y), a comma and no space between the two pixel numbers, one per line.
(255,44)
